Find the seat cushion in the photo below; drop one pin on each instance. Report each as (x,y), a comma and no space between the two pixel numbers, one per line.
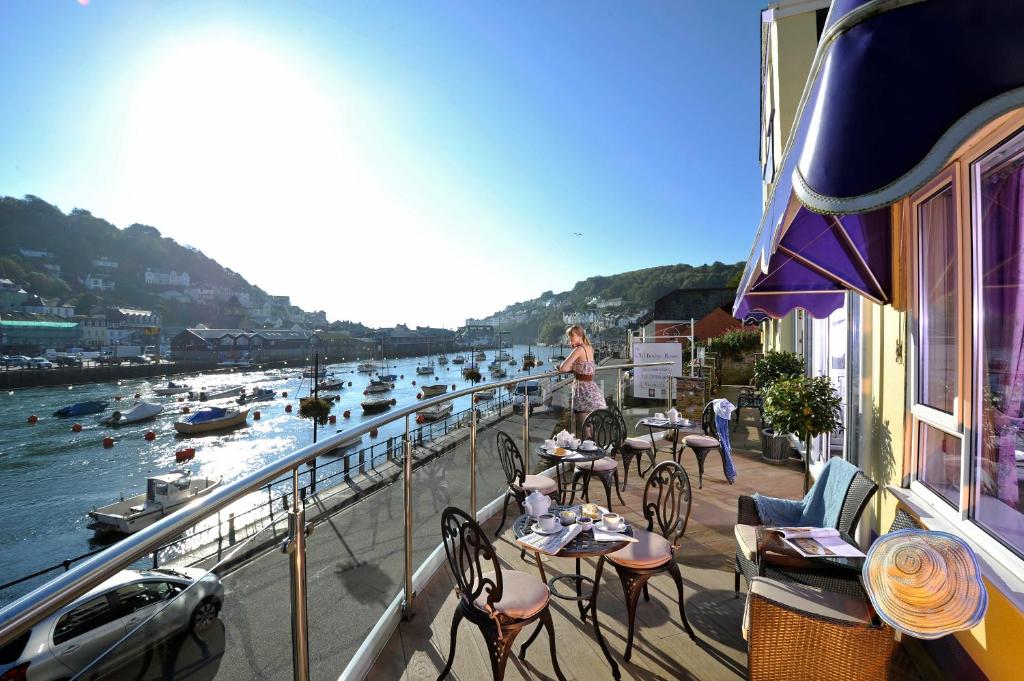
(700,441)
(642,442)
(746,541)
(650,550)
(815,602)
(601,465)
(522,595)
(541,483)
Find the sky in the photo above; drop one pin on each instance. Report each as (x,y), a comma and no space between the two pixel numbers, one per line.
(395,162)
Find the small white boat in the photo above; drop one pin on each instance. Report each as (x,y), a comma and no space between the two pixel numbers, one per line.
(484,394)
(480,357)
(425,370)
(459,360)
(308,372)
(140,412)
(256,395)
(164,493)
(366,367)
(332,384)
(436,412)
(373,405)
(216,393)
(441,359)
(502,356)
(434,390)
(172,389)
(209,419)
(498,371)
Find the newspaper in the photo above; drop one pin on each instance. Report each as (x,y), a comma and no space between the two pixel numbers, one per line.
(817,542)
(550,544)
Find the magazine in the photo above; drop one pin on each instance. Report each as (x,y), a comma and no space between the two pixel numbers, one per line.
(550,544)
(817,542)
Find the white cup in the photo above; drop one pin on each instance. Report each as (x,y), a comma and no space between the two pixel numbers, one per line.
(612,521)
(548,522)
(589,444)
(658,415)
(550,445)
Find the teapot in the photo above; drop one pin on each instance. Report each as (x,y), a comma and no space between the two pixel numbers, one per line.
(673,415)
(537,504)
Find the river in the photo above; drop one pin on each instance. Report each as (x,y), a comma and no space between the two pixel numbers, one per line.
(50,477)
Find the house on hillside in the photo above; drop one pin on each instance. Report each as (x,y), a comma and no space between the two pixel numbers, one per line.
(161,278)
(11,295)
(97,282)
(48,306)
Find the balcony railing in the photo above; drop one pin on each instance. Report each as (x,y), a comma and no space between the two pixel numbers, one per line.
(153,623)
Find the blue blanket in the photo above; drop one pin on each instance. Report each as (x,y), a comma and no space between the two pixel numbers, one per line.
(820,507)
(723,436)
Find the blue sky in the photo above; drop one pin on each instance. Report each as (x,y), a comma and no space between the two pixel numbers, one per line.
(428,161)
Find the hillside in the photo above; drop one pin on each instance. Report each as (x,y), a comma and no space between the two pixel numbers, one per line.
(51,254)
(625,294)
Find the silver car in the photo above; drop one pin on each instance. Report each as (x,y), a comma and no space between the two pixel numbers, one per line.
(68,641)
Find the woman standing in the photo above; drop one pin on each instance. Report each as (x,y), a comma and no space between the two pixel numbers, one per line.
(586,397)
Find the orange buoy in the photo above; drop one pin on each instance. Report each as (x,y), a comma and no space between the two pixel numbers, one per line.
(33,418)
(333,419)
(184,454)
(365,393)
(256,415)
(373,432)
(150,436)
(420,419)
(76,428)
(347,413)
(393,401)
(284,393)
(288,408)
(181,399)
(185,410)
(108,442)
(419,396)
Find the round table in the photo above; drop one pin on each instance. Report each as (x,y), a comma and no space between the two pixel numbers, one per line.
(681,424)
(583,545)
(580,457)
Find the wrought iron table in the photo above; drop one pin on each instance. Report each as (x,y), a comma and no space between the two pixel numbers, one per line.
(582,546)
(681,425)
(580,457)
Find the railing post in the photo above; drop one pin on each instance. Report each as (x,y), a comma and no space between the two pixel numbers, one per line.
(526,427)
(220,537)
(618,391)
(297,563)
(231,529)
(407,494)
(472,463)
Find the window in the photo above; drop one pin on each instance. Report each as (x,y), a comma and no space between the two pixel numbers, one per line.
(938,300)
(137,596)
(998,466)
(83,619)
(938,464)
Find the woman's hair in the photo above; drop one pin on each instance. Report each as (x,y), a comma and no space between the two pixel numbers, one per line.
(578,330)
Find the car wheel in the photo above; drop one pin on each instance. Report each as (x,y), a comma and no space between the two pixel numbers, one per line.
(204,615)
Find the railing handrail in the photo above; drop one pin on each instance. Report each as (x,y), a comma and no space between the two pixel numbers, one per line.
(26,611)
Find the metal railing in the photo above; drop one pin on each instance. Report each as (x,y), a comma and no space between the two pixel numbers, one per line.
(25,612)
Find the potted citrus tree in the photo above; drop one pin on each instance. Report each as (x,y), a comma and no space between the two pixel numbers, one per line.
(806,407)
(775,366)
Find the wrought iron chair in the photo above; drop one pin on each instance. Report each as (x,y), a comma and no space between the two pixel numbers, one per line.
(748,398)
(702,444)
(667,501)
(817,572)
(603,428)
(499,602)
(519,483)
(633,447)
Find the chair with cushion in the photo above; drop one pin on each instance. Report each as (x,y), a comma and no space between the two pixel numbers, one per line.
(500,602)
(519,483)
(636,446)
(702,444)
(602,427)
(666,507)
(817,572)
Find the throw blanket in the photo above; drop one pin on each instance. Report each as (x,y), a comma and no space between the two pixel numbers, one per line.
(820,507)
(723,417)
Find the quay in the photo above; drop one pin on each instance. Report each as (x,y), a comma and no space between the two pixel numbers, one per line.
(12,378)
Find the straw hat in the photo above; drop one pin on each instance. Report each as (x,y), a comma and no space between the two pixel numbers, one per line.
(924,584)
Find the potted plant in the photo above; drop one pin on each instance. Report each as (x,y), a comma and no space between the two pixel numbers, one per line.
(806,407)
(775,365)
(318,409)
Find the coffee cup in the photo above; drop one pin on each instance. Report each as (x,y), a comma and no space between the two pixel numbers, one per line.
(567,517)
(612,520)
(550,445)
(547,522)
(588,444)
(659,416)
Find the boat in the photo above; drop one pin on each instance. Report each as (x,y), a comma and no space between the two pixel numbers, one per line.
(512,362)
(459,360)
(434,390)
(531,392)
(81,409)
(172,389)
(164,493)
(424,370)
(480,356)
(332,384)
(502,356)
(498,371)
(255,395)
(140,412)
(204,395)
(487,394)
(366,367)
(384,375)
(377,387)
(209,419)
(308,372)
(441,359)
(375,405)
(435,412)
(345,450)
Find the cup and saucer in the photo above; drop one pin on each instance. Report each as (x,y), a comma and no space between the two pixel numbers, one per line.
(588,446)
(612,522)
(547,524)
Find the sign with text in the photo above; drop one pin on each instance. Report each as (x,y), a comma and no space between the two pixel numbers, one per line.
(651,382)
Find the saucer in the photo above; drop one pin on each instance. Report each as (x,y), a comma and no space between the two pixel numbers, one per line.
(592,448)
(618,529)
(536,530)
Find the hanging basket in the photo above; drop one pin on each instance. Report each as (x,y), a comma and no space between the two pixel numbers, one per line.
(314,408)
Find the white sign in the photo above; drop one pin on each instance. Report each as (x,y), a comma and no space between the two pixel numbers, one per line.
(651,382)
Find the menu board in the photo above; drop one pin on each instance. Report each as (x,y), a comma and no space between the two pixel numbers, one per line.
(652,382)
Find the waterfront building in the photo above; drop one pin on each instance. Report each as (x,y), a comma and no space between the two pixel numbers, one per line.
(93,331)
(48,306)
(889,255)
(200,343)
(31,335)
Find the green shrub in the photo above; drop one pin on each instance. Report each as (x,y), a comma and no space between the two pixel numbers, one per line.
(734,344)
(775,366)
(314,408)
(804,406)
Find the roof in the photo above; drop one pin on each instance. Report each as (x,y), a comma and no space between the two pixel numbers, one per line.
(134,311)
(20,323)
(267,334)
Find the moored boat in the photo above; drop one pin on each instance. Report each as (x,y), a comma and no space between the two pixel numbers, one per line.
(256,395)
(331,384)
(164,493)
(140,412)
(435,412)
(480,356)
(209,419)
(377,387)
(441,359)
(81,409)
(374,405)
(215,394)
(459,360)
(434,390)
(484,394)
(172,389)
(366,367)
(308,372)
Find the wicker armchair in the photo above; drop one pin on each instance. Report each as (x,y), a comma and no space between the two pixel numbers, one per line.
(818,572)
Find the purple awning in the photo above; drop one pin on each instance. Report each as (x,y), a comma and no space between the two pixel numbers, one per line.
(895,88)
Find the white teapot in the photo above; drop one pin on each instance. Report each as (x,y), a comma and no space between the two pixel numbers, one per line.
(673,415)
(537,504)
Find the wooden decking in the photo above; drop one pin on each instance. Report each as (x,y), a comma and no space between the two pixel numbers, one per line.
(662,650)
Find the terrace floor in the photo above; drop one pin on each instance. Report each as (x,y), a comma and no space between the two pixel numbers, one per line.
(661,650)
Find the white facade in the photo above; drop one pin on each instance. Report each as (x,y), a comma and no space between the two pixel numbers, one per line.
(172,278)
(97,282)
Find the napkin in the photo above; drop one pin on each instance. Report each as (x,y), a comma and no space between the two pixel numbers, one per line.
(550,544)
(601,535)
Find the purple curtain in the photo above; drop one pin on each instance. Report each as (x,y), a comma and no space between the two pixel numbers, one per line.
(1003,303)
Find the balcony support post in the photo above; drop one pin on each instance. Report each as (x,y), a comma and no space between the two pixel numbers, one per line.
(407,507)
(296,548)
(472,459)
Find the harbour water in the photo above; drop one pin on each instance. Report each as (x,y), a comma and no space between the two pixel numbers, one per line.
(50,477)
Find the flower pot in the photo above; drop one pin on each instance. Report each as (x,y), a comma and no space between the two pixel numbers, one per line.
(775,448)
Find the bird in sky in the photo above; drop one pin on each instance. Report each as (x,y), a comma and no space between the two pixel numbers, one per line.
(578,233)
